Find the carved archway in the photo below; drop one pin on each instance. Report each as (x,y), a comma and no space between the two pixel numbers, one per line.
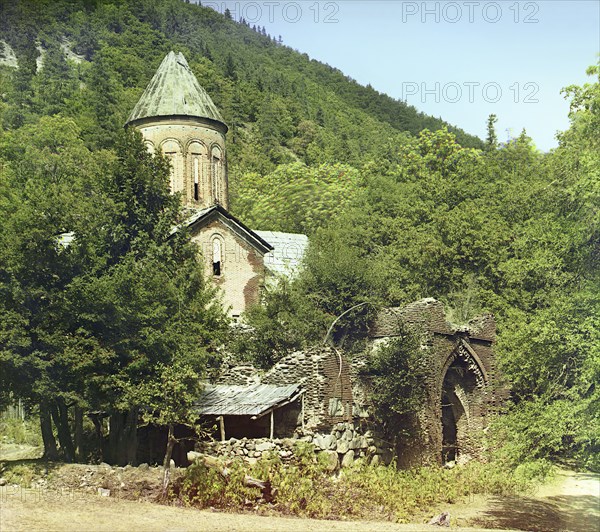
(463,380)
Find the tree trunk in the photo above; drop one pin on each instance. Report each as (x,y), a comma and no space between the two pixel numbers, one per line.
(167,461)
(97,421)
(50,450)
(131,436)
(79,434)
(115,454)
(61,420)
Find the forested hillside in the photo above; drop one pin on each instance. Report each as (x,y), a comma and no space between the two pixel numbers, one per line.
(395,212)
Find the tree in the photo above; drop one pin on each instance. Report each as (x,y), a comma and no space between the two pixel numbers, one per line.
(491,141)
(397,382)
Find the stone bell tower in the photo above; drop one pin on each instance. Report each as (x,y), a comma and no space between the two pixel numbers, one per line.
(177,117)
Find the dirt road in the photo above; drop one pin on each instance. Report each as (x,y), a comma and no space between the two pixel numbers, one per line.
(26,512)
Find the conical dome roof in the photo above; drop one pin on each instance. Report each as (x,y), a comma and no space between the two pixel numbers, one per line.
(174,90)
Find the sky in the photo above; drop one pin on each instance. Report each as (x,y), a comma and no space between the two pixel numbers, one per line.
(458,60)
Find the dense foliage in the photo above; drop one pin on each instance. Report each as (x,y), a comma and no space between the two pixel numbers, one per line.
(306,488)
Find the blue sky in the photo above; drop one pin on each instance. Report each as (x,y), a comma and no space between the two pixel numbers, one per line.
(458,60)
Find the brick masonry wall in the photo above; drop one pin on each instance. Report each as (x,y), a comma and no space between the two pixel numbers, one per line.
(469,349)
(192,137)
(242,266)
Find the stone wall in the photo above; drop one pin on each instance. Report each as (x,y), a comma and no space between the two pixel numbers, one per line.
(342,447)
(323,372)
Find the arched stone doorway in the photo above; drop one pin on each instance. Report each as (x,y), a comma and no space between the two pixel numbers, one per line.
(460,404)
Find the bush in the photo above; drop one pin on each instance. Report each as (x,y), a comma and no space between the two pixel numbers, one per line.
(305,488)
(21,432)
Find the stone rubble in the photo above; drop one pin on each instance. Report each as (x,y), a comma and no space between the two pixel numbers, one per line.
(342,447)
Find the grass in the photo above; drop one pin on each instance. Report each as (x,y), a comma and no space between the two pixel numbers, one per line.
(17,431)
(306,489)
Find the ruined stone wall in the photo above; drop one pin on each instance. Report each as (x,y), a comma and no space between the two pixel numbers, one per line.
(324,374)
(448,351)
(341,447)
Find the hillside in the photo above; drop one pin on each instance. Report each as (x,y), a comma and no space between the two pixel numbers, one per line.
(281,106)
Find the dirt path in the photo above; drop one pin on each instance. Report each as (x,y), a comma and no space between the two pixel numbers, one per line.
(27,511)
(571,503)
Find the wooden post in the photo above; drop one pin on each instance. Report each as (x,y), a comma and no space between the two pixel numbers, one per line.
(222,427)
(272,423)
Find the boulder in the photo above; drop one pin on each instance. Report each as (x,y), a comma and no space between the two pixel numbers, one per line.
(348,459)
(330,460)
(343,446)
(265,446)
(193,456)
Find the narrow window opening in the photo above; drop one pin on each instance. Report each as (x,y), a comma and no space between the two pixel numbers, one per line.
(196,178)
(171,157)
(216,167)
(217,258)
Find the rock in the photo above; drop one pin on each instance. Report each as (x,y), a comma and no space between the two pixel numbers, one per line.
(265,446)
(192,456)
(376,461)
(355,443)
(343,446)
(3,481)
(348,435)
(103,492)
(143,467)
(441,520)
(330,442)
(330,460)
(172,464)
(348,459)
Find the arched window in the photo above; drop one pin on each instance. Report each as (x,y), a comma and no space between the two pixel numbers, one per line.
(149,146)
(217,173)
(217,256)
(197,155)
(172,151)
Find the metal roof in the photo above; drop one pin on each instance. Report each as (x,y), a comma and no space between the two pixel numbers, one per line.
(255,400)
(175,91)
(288,251)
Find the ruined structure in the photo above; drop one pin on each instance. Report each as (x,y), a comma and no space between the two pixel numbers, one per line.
(463,385)
(462,382)
(177,118)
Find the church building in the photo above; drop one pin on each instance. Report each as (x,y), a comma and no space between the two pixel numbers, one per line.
(178,119)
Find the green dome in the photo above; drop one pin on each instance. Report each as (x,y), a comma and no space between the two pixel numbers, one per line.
(174,90)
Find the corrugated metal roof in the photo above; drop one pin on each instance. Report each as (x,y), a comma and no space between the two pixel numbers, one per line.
(289,249)
(255,400)
(174,90)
